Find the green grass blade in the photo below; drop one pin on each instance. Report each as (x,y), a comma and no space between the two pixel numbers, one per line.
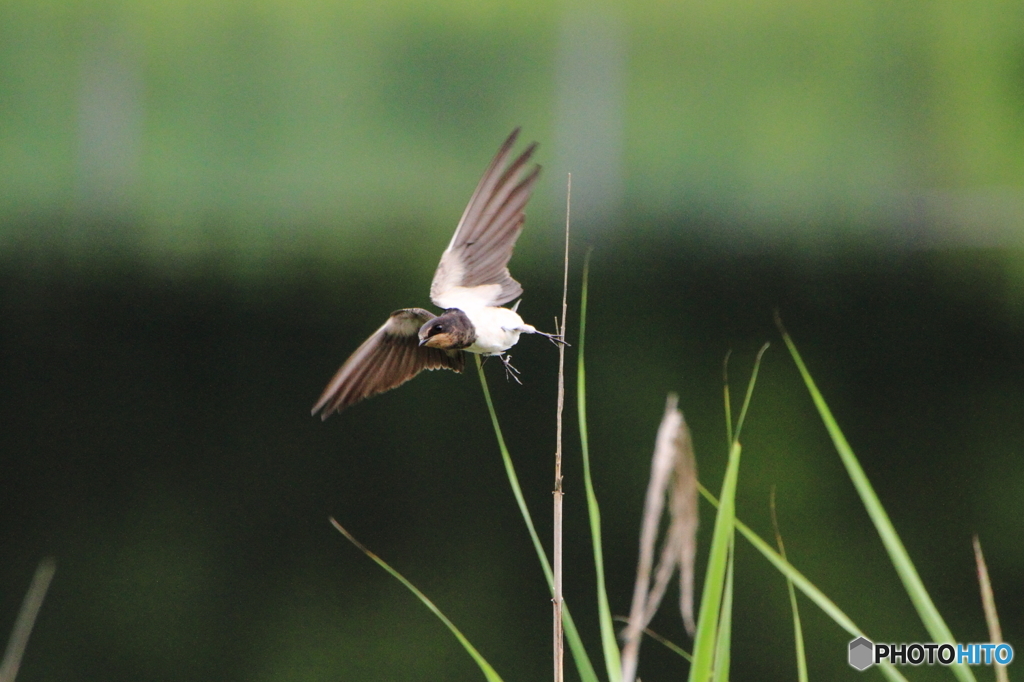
(513,478)
(727,399)
(803,584)
(922,601)
(26,619)
(714,627)
(798,634)
(714,582)
(609,644)
(579,653)
(750,392)
(794,607)
(484,666)
(723,654)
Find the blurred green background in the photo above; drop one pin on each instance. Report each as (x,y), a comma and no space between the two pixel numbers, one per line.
(205,206)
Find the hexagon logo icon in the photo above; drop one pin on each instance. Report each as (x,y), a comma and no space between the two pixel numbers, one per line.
(861,653)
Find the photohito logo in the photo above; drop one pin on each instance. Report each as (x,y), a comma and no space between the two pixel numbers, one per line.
(864,653)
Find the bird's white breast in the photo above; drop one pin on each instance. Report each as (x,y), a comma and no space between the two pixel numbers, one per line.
(497,329)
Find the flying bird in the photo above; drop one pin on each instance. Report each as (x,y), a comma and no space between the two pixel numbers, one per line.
(471,284)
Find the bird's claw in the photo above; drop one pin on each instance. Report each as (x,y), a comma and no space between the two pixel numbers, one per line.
(510,371)
(556,339)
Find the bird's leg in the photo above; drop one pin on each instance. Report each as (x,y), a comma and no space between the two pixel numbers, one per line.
(510,371)
(556,339)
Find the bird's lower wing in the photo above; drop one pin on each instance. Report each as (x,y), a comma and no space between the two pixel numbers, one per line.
(389,358)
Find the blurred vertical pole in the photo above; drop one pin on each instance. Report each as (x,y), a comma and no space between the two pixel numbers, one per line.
(590,97)
(109,125)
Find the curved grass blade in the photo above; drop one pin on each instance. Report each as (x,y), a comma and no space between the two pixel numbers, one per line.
(481,662)
(704,643)
(803,584)
(723,653)
(609,645)
(711,644)
(26,619)
(750,391)
(912,583)
(798,631)
(579,653)
(727,398)
(513,478)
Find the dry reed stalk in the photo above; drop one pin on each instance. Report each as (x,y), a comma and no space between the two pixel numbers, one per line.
(988,602)
(557,597)
(673,476)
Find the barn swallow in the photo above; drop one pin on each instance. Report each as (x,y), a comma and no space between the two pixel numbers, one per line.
(471,284)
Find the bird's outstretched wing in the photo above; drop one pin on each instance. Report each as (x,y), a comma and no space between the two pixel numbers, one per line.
(389,358)
(474,268)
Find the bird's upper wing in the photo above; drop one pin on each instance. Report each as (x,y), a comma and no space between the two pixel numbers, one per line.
(389,358)
(474,268)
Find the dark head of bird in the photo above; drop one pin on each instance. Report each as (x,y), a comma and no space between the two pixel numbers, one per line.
(449,331)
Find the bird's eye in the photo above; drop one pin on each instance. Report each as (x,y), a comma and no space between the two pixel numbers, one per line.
(437,329)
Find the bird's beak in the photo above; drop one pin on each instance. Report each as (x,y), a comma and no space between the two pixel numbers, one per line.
(424,341)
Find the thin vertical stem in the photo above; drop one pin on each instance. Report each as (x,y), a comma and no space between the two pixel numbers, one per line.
(557,599)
